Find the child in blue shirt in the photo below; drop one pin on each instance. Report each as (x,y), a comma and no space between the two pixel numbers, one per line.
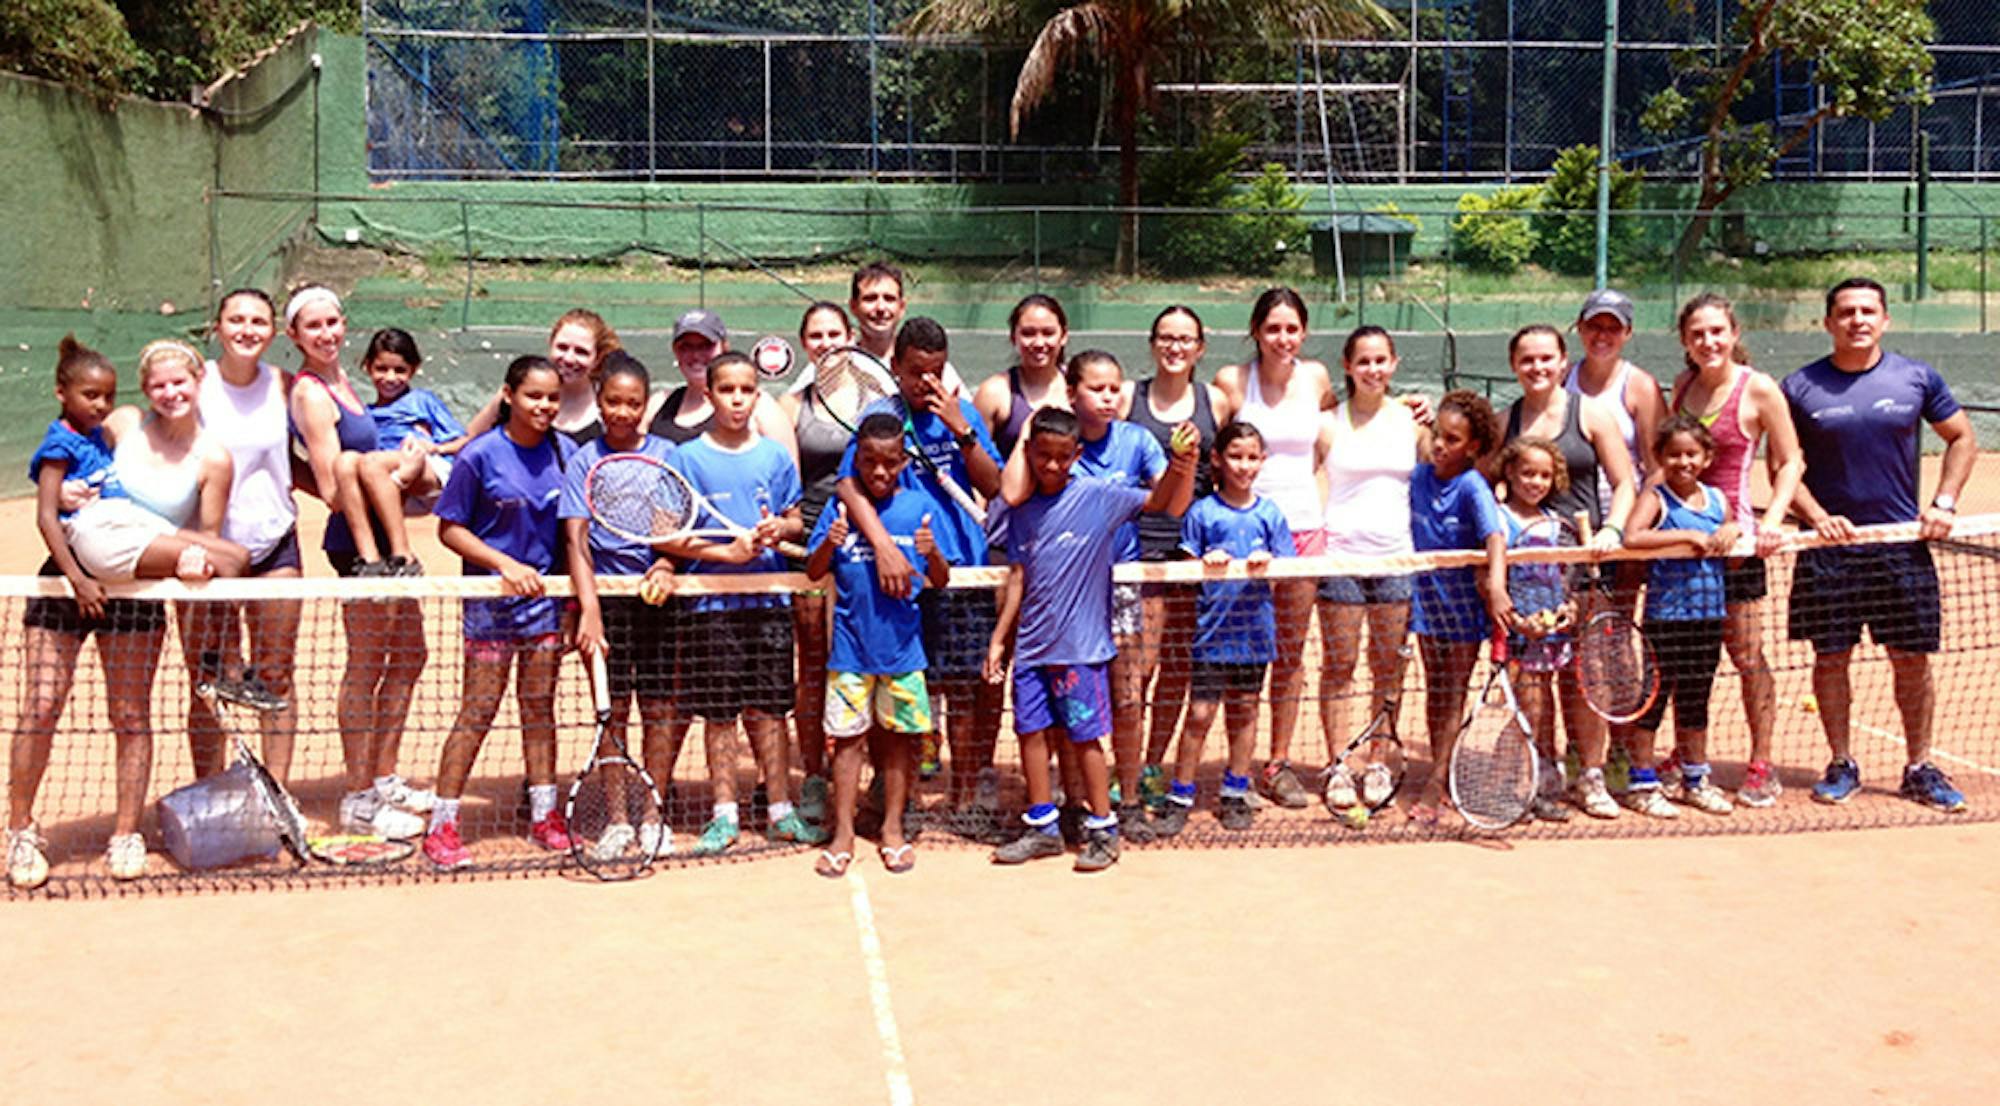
(1061,535)
(736,650)
(416,438)
(1452,507)
(875,669)
(1235,627)
(1685,610)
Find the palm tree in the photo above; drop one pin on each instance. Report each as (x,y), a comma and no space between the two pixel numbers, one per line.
(1132,37)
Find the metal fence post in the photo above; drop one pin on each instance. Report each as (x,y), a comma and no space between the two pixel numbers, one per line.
(652,99)
(1982,272)
(465,237)
(767,105)
(701,253)
(1037,239)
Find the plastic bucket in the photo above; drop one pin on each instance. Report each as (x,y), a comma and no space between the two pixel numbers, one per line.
(218,821)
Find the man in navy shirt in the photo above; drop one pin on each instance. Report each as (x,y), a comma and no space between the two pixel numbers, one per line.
(1859,413)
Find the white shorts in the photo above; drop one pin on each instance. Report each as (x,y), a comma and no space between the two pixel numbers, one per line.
(439,467)
(108,537)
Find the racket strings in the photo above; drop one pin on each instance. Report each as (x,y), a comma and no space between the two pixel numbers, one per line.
(640,497)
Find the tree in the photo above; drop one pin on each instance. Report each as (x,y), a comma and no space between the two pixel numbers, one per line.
(1867,57)
(1132,38)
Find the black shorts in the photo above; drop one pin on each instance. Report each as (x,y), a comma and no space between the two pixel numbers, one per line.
(1208,681)
(735,661)
(1689,653)
(1745,581)
(642,659)
(1890,589)
(958,626)
(121,616)
(283,555)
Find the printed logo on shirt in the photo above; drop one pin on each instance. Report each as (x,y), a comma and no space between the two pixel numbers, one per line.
(1889,406)
(1843,411)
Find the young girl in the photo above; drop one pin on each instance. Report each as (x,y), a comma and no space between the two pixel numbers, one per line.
(737,649)
(1685,609)
(1452,507)
(1539,636)
(416,437)
(498,513)
(637,641)
(1039,330)
(1235,629)
(1122,453)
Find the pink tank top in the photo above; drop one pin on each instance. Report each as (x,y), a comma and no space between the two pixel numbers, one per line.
(1734,451)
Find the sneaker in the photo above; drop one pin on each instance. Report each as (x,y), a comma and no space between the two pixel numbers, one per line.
(27,858)
(928,763)
(365,812)
(794,829)
(1592,797)
(1760,785)
(1841,781)
(1171,820)
(716,836)
(1282,785)
(986,790)
(1100,851)
(656,839)
(1649,802)
(617,840)
(1378,786)
(551,833)
(1033,844)
(1705,796)
(1926,783)
(246,692)
(1618,768)
(1153,786)
(399,793)
(403,566)
(1340,789)
(126,856)
(443,848)
(1235,814)
(1548,808)
(1135,825)
(812,799)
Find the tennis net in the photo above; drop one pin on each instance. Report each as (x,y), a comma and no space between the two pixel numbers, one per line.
(357,647)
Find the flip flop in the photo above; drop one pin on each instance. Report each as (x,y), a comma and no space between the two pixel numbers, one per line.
(833,865)
(900,859)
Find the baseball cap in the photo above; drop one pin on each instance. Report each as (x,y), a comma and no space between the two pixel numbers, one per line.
(1607,301)
(708,324)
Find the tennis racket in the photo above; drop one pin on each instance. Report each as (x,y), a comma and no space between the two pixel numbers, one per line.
(1494,767)
(643,499)
(358,850)
(872,381)
(1616,667)
(616,826)
(1372,765)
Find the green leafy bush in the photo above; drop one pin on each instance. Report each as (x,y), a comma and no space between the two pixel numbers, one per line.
(81,43)
(1495,232)
(1567,243)
(1204,176)
(161,50)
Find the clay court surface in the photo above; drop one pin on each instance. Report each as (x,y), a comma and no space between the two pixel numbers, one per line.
(1792,967)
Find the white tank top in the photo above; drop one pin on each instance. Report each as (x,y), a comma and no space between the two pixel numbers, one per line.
(1613,400)
(1368,482)
(254,425)
(1290,434)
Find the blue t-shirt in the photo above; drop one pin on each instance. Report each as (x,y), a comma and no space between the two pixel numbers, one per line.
(1233,622)
(872,633)
(1459,513)
(1064,544)
(1681,588)
(1860,433)
(85,457)
(414,412)
(610,555)
(1127,454)
(958,535)
(741,484)
(507,495)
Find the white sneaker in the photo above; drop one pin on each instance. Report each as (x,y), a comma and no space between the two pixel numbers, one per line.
(656,838)
(1706,797)
(1649,802)
(1340,788)
(416,800)
(616,840)
(365,812)
(27,859)
(1592,797)
(126,856)
(1377,785)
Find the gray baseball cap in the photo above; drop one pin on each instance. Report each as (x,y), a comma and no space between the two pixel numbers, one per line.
(1607,301)
(708,324)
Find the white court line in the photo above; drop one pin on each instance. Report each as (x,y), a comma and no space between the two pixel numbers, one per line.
(895,1068)
(1897,740)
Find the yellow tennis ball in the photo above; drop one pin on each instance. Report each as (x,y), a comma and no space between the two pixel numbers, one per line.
(1356,817)
(652,592)
(1809,703)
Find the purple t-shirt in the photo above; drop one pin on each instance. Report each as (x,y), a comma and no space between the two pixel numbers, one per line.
(1065,544)
(1860,433)
(507,495)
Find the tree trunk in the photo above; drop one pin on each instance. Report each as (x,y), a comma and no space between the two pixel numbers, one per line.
(1125,117)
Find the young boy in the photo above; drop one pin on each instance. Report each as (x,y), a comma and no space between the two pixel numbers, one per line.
(736,653)
(416,437)
(1061,538)
(875,669)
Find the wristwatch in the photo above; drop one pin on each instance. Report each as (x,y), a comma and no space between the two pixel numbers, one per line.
(966,440)
(1944,502)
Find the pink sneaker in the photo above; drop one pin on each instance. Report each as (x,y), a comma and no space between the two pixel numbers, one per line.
(443,848)
(551,833)
(1760,785)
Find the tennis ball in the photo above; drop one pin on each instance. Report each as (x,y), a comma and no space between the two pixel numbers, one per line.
(652,592)
(1809,703)
(1356,817)
(1185,438)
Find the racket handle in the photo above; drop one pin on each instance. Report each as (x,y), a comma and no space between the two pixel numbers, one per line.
(600,683)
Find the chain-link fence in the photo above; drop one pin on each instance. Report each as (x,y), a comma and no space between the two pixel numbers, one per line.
(1465,89)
